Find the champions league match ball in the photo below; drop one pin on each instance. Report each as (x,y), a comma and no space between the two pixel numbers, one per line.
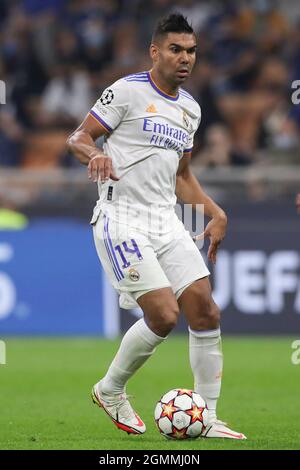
(181,414)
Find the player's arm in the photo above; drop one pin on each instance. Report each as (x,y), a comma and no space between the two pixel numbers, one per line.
(82,144)
(189,191)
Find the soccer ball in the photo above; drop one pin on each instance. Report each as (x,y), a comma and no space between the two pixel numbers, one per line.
(181,414)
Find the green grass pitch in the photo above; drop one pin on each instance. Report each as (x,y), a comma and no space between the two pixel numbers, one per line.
(45,394)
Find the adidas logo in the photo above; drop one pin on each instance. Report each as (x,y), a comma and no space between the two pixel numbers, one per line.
(151,109)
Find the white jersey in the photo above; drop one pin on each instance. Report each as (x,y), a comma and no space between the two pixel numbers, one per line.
(147,133)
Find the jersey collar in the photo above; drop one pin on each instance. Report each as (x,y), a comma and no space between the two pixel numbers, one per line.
(159,90)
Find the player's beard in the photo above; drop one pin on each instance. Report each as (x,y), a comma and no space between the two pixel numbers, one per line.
(177,81)
(174,80)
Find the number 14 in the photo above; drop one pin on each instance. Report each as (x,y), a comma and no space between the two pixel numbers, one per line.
(126,248)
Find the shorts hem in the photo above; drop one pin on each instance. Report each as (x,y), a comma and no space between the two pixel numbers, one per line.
(179,291)
(137,294)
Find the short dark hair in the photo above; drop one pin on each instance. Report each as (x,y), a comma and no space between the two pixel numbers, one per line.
(174,23)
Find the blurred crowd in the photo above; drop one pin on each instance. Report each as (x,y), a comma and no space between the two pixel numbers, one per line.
(56,57)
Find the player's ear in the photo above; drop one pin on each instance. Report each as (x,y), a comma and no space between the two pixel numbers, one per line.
(153,52)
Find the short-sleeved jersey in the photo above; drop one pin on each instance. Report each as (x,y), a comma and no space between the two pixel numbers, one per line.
(147,133)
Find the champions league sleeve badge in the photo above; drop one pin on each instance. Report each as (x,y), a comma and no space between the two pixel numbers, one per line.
(107,97)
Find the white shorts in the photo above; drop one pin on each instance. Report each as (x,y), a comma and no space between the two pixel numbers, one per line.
(136,262)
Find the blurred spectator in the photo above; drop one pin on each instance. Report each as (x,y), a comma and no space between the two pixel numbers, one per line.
(233,53)
(66,99)
(265,23)
(218,149)
(147,13)
(96,44)
(201,85)
(36,7)
(124,48)
(11,139)
(3,11)
(295,52)
(197,12)
(24,72)
(66,47)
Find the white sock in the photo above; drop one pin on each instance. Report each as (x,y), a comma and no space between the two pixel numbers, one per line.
(206,360)
(137,345)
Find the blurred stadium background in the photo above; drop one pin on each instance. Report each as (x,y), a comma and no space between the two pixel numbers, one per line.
(56,57)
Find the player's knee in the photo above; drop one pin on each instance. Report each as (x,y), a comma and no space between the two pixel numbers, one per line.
(212,316)
(216,316)
(208,318)
(165,321)
(169,319)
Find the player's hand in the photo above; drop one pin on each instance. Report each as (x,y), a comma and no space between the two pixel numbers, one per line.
(215,230)
(100,168)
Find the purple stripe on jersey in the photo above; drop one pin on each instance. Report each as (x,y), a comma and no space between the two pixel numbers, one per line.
(188,150)
(186,96)
(111,247)
(105,238)
(101,121)
(110,258)
(172,98)
(137,80)
(141,74)
(135,76)
(109,255)
(181,90)
(189,97)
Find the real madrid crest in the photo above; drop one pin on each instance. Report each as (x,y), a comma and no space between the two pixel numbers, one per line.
(185,120)
(134,275)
